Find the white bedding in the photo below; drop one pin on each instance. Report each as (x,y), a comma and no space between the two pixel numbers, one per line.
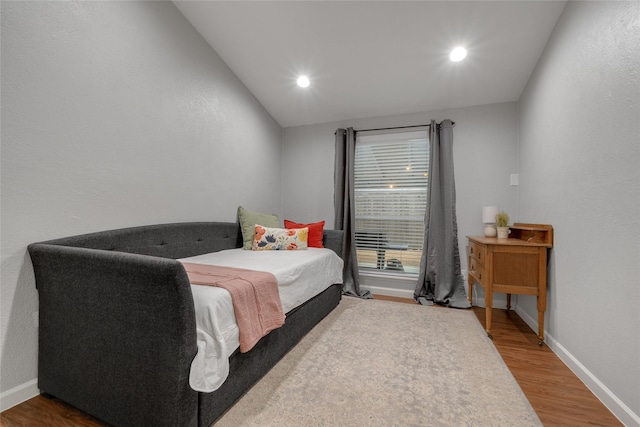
(301,275)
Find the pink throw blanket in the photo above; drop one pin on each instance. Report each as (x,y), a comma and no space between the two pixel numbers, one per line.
(255,297)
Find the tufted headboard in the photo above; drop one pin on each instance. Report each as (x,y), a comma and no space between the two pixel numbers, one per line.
(175,240)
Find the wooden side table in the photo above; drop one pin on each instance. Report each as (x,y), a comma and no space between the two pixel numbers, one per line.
(517,265)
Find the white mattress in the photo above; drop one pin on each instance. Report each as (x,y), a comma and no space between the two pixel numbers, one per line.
(301,275)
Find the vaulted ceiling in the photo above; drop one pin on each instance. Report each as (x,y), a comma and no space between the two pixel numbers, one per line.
(375,58)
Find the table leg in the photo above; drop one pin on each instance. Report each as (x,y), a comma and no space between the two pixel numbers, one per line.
(488,299)
(541,309)
(542,292)
(540,327)
(508,302)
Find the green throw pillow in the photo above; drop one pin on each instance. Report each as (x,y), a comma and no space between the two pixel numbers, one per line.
(248,220)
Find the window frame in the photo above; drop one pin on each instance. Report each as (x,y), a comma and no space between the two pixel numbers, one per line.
(401,247)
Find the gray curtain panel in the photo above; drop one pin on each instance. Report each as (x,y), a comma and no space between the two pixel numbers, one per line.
(440,280)
(344,204)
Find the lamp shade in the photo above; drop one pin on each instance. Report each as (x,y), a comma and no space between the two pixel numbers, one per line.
(489,214)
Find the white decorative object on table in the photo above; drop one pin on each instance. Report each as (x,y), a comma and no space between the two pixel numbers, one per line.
(489,219)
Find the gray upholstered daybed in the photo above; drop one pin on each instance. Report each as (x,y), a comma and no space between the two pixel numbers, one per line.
(117,330)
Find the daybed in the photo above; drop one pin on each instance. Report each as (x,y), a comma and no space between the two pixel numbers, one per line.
(117,331)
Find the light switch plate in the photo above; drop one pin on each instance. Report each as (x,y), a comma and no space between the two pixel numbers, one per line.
(514,179)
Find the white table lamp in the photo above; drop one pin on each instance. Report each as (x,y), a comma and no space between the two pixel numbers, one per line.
(489,219)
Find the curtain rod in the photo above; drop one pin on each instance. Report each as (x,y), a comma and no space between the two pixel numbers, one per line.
(398,127)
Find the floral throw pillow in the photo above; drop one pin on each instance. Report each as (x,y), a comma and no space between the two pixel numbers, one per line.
(280,239)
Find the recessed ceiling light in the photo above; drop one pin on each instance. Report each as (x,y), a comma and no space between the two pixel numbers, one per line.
(303,81)
(458,54)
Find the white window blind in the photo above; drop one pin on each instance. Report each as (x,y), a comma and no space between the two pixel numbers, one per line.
(391,176)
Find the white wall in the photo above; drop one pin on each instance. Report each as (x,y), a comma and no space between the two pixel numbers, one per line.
(118,113)
(580,172)
(115,114)
(485,155)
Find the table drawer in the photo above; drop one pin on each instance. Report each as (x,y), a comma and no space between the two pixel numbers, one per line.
(477,252)
(476,269)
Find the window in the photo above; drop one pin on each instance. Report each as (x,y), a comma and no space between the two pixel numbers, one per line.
(390,176)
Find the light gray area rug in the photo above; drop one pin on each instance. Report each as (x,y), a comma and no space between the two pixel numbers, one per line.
(382,363)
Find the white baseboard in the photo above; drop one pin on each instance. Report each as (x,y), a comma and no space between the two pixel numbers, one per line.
(19,394)
(500,303)
(392,292)
(499,300)
(395,285)
(606,396)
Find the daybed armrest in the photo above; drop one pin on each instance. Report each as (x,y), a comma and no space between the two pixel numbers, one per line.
(117,334)
(332,239)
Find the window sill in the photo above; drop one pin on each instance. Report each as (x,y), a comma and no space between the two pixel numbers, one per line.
(389,274)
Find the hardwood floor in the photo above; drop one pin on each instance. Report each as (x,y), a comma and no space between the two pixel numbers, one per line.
(41,411)
(556,394)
